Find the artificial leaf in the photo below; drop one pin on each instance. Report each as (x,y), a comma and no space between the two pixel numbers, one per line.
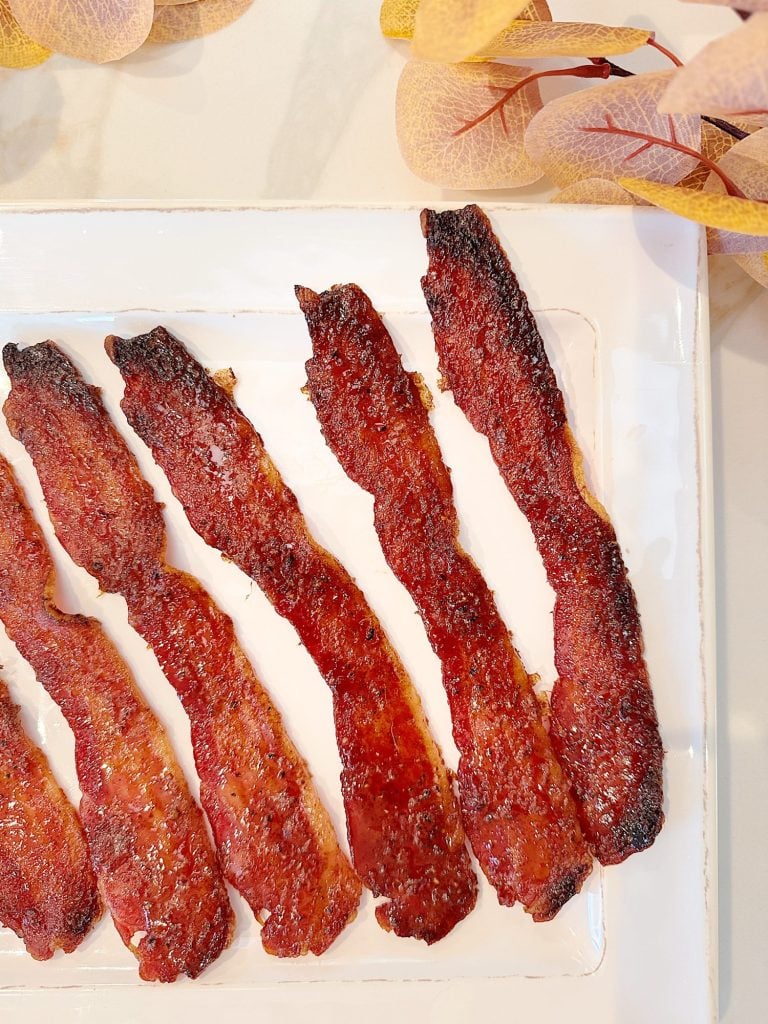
(577,136)
(756,265)
(17,50)
(564,39)
(729,76)
(746,164)
(596,191)
(97,32)
(715,143)
(191,20)
(397,17)
(452,30)
(436,101)
(745,216)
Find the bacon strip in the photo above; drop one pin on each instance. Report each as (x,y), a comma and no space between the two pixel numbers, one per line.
(275,838)
(155,866)
(604,725)
(403,823)
(48,892)
(515,800)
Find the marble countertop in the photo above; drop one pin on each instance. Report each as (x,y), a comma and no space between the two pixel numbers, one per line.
(296,102)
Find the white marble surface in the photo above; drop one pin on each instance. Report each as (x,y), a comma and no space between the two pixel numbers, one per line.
(296,102)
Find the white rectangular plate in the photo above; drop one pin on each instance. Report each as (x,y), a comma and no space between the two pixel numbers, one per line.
(619,295)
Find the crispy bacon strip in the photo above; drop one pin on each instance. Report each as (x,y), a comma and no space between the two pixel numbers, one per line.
(48,892)
(155,866)
(403,823)
(604,725)
(275,838)
(515,801)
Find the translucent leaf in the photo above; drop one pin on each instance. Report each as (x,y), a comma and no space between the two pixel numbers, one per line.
(434,101)
(715,143)
(575,137)
(190,20)
(756,265)
(564,39)
(717,211)
(597,191)
(746,164)
(452,30)
(397,17)
(95,30)
(729,75)
(17,50)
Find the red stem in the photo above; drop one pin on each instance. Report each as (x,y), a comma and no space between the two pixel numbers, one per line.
(667,53)
(583,71)
(656,140)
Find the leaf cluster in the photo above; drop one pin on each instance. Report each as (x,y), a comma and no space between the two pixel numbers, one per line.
(103,30)
(692,139)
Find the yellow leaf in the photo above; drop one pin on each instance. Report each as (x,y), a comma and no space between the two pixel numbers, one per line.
(92,31)
(435,101)
(176,23)
(397,17)
(564,39)
(715,143)
(575,136)
(717,211)
(452,30)
(17,50)
(746,164)
(596,191)
(728,76)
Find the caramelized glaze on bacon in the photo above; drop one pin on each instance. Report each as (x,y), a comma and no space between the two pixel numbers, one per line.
(604,725)
(155,866)
(48,891)
(275,839)
(403,823)
(515,800)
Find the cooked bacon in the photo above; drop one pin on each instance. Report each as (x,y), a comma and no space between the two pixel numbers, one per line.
(515,801)
(275,839)
(604,725)
(155,867)
(403,823)
(48,892)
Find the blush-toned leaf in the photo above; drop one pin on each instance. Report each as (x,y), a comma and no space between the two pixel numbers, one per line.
(95,31)
(578,135)
(452,30)
(17,50)
(397,17)
(729,76)
(170,3)
(715,143)
(746,164)
(745,216)
(756,265)
(598,192)
(564,39)
(176,23)
(436,101)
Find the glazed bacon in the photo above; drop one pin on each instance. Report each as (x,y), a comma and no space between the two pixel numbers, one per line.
(48,892)
(275,839)
(156,870)
(515,801)
(604,726)
(403,823)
